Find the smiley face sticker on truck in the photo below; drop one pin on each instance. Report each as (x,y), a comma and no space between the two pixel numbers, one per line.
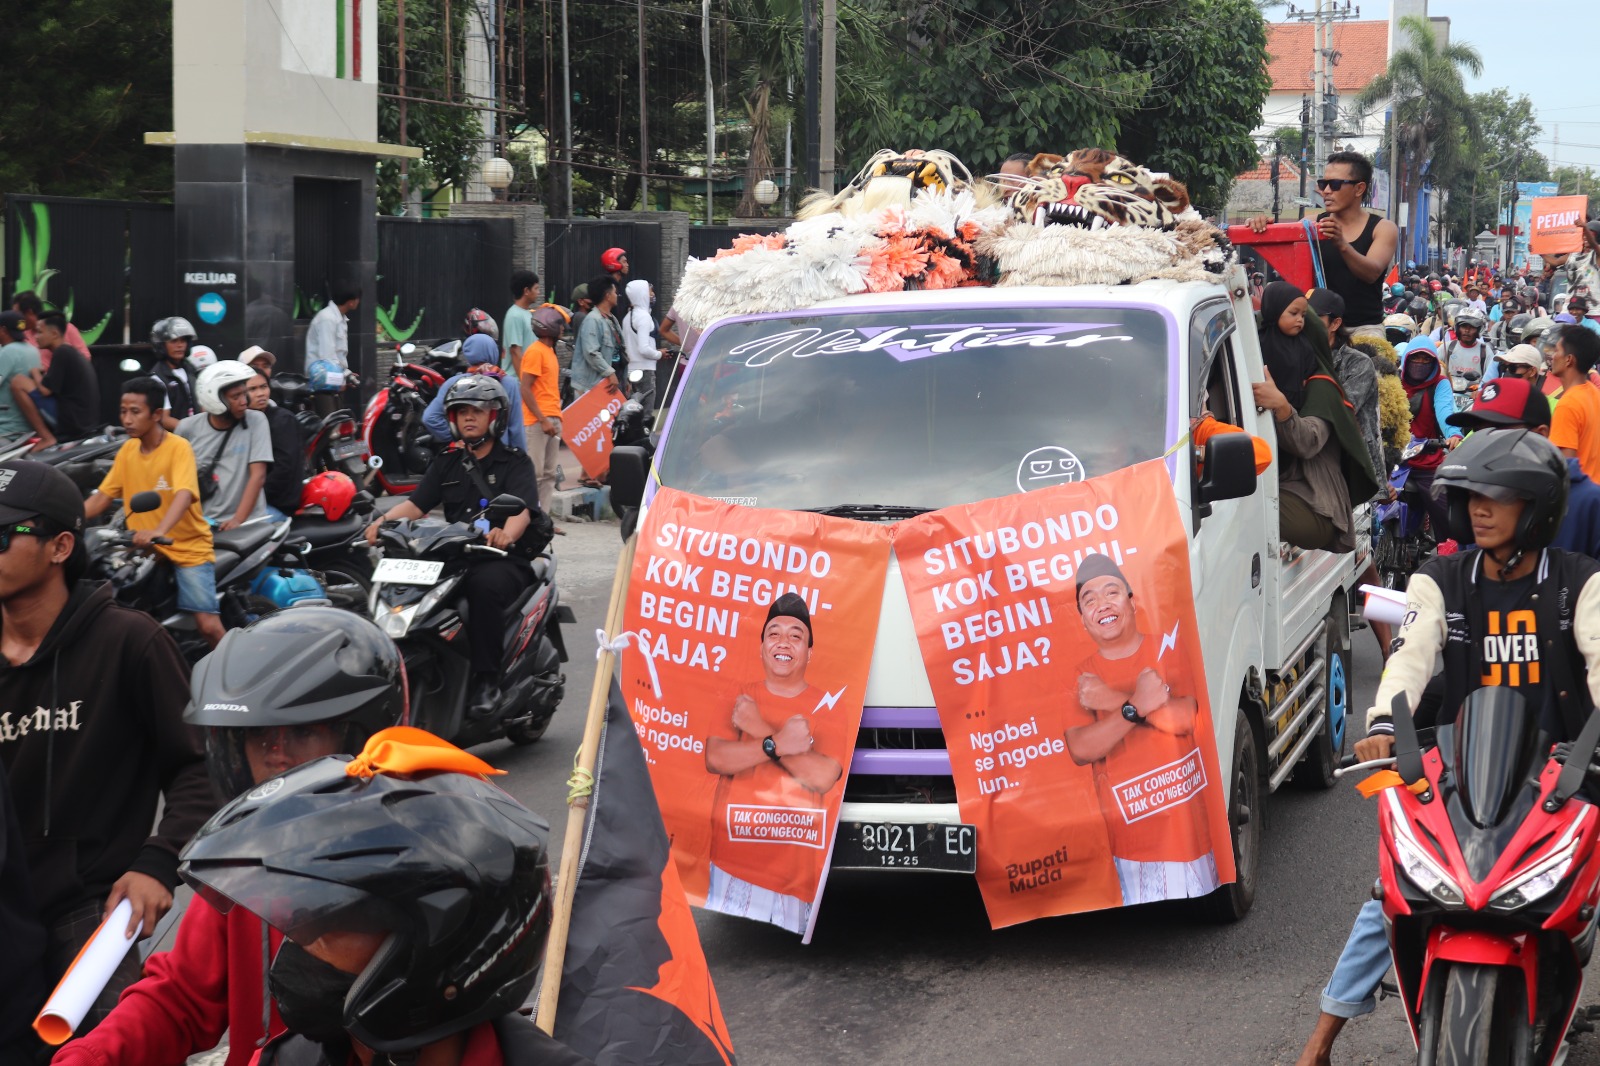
(1048,466)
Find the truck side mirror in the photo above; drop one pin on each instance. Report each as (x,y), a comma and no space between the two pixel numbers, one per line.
(1228,465)
(627,477)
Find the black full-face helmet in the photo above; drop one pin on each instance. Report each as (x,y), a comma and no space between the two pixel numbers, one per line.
(450,870)
(1506,465)
(305,667)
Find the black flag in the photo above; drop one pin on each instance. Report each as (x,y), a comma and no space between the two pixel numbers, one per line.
(635,990)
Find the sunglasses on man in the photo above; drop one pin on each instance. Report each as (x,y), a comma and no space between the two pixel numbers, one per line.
(25,528)
(1335,184)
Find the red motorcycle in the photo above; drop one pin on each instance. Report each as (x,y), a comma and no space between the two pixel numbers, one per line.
(399,446)
(1489,880)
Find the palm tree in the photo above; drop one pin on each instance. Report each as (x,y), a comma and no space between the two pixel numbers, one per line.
(1433,119)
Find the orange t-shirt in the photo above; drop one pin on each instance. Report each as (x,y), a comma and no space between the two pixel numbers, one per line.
(1576,425)
(766,827)
(540,361)
(1148,781)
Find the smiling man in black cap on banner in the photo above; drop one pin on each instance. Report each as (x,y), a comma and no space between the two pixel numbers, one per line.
(91,730)
(1134,721)
(766,757)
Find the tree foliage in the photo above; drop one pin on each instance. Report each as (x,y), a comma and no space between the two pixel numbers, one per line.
(1433,113)
(1502,151)
(449,136)
(84,81)
(1175,84)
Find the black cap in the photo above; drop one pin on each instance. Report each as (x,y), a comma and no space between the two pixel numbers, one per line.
(13,323)
(29,490)
(1326,302)
(791,605)
(1096,565)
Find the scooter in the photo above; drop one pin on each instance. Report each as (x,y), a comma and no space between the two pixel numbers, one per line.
(1404,538)
(415,599)
(1489,878)
(400,448)
(259,570)
(336,444)
(1465,387)
(86,461)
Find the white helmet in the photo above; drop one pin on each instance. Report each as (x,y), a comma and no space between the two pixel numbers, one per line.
(201,357)
(217,378)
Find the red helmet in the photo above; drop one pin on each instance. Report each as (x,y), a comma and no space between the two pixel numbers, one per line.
(611,259)
(479,321)
(329,490)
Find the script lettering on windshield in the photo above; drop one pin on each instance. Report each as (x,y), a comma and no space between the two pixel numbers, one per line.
(905,343)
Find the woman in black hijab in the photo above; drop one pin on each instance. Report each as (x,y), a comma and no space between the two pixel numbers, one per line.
(1286,346)
(1322,457)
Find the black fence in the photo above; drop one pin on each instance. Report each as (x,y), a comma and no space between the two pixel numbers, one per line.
(572,250)
(707,241)
(431,272)
(99,261)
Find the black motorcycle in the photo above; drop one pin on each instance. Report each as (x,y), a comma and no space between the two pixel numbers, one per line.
(336,550)
(260,569)
(416,599)
(86,461)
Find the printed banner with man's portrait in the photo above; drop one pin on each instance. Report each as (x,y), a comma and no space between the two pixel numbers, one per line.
(1058,631)
(760,626)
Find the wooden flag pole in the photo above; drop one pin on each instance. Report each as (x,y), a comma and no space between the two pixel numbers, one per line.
(555,951)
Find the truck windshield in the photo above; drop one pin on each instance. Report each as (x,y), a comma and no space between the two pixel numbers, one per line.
(917,409)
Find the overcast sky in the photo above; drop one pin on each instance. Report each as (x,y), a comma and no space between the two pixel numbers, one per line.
(1537,50)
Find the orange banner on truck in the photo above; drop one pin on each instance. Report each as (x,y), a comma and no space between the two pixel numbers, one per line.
(760,626)
(1058,631)
(586,426)
(1556,225)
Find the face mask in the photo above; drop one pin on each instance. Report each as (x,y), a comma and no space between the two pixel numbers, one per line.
(310,993)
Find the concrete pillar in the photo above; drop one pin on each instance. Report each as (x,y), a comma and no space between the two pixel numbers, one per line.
(674,249)
(527,229)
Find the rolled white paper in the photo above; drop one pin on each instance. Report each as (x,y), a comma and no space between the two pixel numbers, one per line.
(1384,605)
(86,978)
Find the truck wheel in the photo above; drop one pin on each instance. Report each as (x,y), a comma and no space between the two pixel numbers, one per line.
(1232,902)
(1322,758)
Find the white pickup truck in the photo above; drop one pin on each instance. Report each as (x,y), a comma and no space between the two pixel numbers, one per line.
(879,438)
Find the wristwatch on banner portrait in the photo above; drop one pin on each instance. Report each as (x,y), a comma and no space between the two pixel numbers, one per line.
(1131,713)
(770,747)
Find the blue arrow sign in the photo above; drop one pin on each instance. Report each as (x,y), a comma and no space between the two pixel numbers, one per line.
(211,307)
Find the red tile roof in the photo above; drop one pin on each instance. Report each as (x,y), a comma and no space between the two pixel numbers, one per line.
(1363,49)
(1287,171)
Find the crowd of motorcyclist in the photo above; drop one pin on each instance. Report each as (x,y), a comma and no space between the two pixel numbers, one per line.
(214,446)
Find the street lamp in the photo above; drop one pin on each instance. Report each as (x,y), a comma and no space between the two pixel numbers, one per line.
(497,173)
(766,192)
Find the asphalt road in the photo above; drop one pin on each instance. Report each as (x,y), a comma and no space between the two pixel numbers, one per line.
(904,968)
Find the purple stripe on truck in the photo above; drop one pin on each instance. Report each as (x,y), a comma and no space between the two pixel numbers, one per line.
(887,762)
(900,718)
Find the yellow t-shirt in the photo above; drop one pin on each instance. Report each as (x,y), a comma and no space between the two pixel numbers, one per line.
(166,470)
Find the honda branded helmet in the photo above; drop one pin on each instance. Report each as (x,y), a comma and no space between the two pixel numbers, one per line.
(294,669)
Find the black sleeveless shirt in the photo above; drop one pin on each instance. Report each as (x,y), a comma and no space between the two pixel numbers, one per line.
(1363,300)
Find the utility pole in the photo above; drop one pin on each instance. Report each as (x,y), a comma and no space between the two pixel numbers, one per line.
(813,62)
(644,123)
(1305,127)
(1325,57)
(826,93)
(1277,152)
